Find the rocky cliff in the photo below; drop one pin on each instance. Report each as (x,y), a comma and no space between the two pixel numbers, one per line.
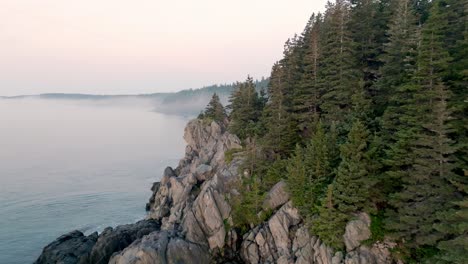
(189,220)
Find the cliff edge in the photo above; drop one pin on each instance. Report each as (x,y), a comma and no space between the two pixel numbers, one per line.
(190,221)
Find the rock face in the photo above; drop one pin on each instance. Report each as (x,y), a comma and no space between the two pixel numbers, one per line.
(192,198)
(285,239)
(357,231)
(74,247)
(189,220)
(70,248)
(277,196)
(161,247)
(113,240)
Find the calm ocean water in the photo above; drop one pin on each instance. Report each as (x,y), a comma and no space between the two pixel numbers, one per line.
(84,165)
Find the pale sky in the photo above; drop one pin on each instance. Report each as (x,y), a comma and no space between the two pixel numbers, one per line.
(141,46)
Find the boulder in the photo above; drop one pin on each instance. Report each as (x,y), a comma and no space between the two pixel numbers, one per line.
(162,248)
(116,239)
(276,197)
(357,231)
(71,248)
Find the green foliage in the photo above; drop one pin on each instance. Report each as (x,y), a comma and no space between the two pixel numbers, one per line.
(330,224)
(309,172)
(426,189)
(247,205)
(229,154)
(214,110)
(246,107)
(366,112)
(377,228)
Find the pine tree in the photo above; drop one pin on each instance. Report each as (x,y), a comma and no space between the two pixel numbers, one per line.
(350,191)
(280,137)
(215,110)
(317,161)
(455,249)
(297,180)
(246,107)
(329,226)
(399,123)
(309,172)
(427,189)
(368,24)
(456,43)
(398,57)
(306,95)
(353,179)
(337,69)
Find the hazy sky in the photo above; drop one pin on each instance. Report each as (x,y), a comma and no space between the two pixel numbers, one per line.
(141,46)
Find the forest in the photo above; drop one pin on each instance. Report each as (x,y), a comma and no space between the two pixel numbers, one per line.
(365,112)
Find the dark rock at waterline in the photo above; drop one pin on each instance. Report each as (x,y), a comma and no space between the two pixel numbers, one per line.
(113,240)
(70,248)
(76,248)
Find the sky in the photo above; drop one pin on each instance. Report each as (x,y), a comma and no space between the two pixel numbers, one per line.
(141,46)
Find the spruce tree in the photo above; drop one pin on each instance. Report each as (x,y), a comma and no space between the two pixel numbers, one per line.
(398,58)
(215,110)
(246,107)
(337,69)
(426,189)
(350,191)
(329,226)
(298,181)
(317,161)
(455,249)
(306,95)
(280,137)
(353,179)
(368,25)
(309,172)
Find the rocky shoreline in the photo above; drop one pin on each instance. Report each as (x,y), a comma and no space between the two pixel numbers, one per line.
(189,220)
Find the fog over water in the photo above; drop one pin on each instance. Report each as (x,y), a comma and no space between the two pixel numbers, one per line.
(84,165)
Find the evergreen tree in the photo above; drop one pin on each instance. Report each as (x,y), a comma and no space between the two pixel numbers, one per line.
(215,110)
(398,57)
(427,189)
(399,122)
(455,249)
(456,43)
(317,161)
(246,106)
(297,180)
(368,24)
(309,172)
(330,223)
(306,95)
(350,190)
(353,180)
(280,137)
(337,69)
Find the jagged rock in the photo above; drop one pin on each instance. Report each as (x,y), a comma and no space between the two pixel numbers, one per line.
(192,219)
(161,247)
(276,197)
(272,240)
(280,224)
(202,172)
(357,231)
(115,239)
(70,248)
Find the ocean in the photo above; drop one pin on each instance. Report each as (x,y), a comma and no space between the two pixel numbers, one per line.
(77,164)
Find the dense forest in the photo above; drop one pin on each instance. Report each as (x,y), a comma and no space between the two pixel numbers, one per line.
(366,112)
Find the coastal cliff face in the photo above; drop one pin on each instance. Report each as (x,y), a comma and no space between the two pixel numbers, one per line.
(189,219)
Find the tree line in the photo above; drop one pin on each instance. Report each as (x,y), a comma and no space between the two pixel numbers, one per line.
(366,112)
